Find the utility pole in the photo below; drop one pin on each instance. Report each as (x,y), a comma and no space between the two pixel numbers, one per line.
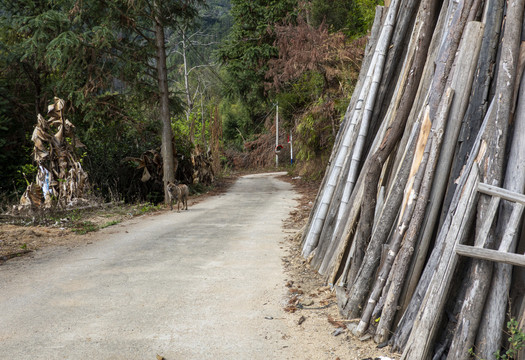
(291,147)
(276,135)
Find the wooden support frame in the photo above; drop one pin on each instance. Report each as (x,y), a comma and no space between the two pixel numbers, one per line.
(492,255)
(426,322)
(498,255)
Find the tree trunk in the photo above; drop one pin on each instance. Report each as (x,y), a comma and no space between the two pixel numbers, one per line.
(203,127)
(167,133)
(189,101)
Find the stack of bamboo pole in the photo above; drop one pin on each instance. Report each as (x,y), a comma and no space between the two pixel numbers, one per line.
(438,103)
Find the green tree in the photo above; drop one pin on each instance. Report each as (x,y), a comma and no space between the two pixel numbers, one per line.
(246,52)
(108,58)
(352,17)
(46,48)
(141,39)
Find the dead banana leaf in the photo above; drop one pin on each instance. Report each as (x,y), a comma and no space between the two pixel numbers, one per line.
(145,175)
(32,196)
(59,104)
(60,176)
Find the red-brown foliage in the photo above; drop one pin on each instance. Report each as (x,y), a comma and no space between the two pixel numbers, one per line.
(304,48)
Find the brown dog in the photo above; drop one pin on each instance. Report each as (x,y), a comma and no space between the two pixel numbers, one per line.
(178,193)
(184,192)
(173,193)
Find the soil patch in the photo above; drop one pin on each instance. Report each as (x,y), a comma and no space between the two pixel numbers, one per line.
(311,301)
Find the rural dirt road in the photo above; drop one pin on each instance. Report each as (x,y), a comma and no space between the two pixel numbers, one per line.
(206,283)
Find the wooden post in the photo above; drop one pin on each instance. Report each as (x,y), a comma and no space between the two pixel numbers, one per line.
(291,147)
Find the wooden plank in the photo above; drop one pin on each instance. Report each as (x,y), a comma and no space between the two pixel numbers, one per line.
(502,193)
(492,255)
(487,221)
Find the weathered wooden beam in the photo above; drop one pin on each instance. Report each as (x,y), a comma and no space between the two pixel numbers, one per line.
(406,324)
(491,170)
(422,334)
(502,193)
(461,83)
(492,255)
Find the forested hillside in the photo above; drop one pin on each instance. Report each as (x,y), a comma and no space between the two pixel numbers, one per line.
(158,91)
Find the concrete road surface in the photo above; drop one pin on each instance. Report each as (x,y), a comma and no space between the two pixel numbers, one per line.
(206,283)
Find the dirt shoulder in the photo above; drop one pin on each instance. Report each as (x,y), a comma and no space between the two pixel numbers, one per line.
(311,301)
(22,236)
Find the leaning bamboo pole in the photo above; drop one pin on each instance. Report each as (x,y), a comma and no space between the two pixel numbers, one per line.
(361,115)
(369,52)
(365,65)
(311,238)
(415,61)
